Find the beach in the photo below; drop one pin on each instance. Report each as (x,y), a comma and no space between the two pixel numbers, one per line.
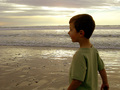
(47,68)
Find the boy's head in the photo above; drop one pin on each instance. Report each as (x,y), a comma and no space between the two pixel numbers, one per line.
(83,22)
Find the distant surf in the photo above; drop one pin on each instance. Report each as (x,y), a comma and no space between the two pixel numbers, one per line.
(54,27)
(57,36)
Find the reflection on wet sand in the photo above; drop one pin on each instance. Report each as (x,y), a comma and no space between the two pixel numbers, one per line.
(111,59)
(23,68)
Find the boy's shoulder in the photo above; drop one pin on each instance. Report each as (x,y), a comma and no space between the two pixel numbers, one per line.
(87,50)
(81,52)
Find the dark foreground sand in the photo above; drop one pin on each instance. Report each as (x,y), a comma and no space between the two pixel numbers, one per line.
(41,68)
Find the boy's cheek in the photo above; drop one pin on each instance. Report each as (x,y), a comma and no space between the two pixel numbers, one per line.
(72,37)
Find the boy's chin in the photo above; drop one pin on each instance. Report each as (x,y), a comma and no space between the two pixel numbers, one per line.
(74,41)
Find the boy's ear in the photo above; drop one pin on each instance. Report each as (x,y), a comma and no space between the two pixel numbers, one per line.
(82,33)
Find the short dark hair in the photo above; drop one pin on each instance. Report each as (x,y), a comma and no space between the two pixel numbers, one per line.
(84,22)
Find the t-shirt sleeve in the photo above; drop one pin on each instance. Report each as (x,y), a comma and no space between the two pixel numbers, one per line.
(100,62)
(78,71)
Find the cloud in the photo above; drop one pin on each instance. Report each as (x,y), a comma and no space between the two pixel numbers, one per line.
(65,3)
(28,11)
(49,7)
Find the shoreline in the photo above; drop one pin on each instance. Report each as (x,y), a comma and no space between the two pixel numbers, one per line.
(47,68)
(23,46)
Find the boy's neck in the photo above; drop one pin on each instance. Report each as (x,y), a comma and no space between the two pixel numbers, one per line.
(85,43)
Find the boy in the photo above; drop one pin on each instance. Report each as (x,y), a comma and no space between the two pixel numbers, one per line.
(86,61)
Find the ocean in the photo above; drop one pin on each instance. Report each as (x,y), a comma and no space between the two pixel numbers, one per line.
(104,36)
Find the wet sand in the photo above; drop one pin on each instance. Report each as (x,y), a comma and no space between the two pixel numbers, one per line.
(47,68)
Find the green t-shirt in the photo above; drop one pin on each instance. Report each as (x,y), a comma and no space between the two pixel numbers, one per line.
(85,64)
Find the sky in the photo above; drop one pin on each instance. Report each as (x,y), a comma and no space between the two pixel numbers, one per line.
(57,12)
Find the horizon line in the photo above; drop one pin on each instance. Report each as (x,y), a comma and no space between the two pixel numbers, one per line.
(50,25)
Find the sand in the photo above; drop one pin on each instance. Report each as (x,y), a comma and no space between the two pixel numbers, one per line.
(41,68)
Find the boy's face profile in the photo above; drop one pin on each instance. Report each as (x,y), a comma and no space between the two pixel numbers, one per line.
(75,36)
